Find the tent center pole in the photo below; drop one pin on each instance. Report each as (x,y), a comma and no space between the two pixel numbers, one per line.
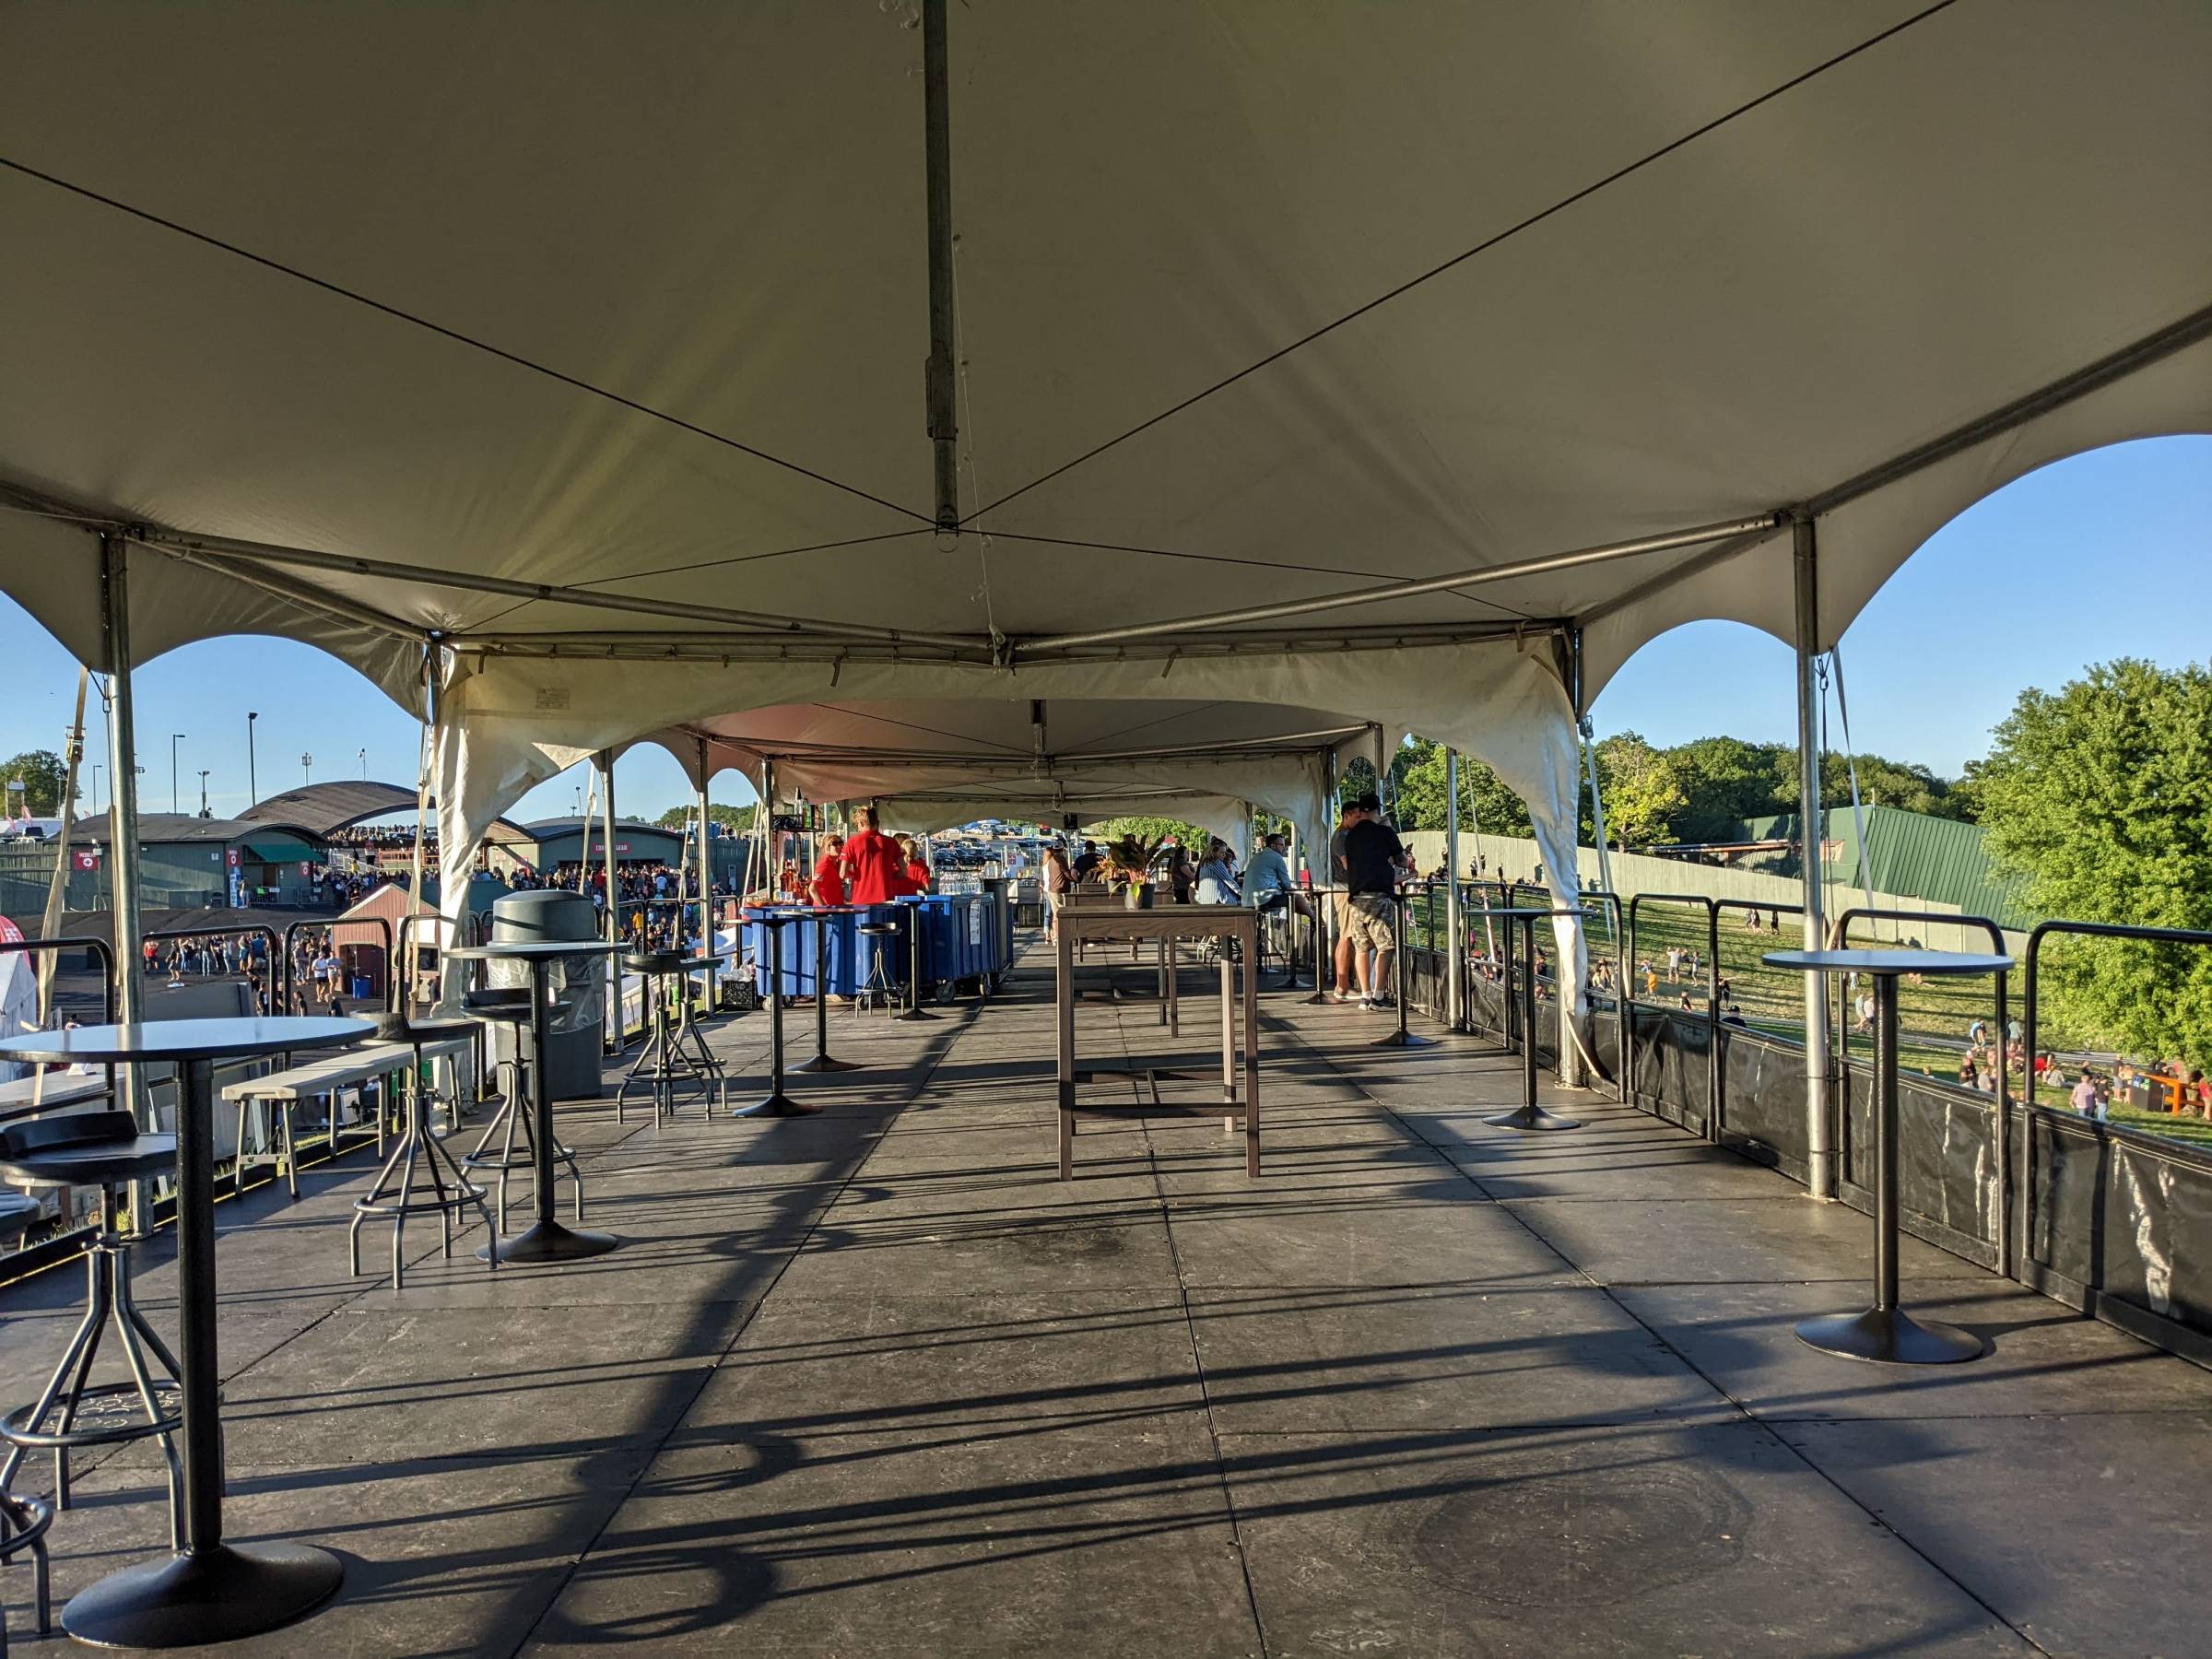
(944,429)
(605,762)
(122,824)
(706,877)
(1820,1158)
(1455,983)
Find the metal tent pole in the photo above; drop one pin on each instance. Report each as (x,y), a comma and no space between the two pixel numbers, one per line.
(123,826)
(1820,1158)
(1455,973)
(605,760)
(941,390)
(706,877)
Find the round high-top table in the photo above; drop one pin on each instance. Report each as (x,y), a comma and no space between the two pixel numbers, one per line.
(1528,1115)
(913,1010)
(776,1104)
(208,1591)
(1324,901)
(1402,1037)
(822,1060)
(546,1239)
(1886,1333)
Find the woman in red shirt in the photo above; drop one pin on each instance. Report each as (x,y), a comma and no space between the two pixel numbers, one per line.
(872,861)
(917,873)
(828,886)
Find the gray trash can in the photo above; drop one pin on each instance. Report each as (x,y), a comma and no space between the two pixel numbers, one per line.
(578,1018)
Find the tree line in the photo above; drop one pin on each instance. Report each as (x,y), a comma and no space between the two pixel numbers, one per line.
(1692,794)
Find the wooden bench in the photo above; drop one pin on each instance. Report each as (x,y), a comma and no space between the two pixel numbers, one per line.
(327,1076)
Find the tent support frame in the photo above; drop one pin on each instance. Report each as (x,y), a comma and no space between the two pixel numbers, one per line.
(1762,523)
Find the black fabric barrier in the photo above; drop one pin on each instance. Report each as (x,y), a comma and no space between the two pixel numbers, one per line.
(2111,1220)
(2119,1224)
(1763,1101)
(1947,1160)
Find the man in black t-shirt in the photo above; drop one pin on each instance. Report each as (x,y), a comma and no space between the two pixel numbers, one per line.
(1346,988)
(1374,859)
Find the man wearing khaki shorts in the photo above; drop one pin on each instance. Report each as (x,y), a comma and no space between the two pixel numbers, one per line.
(1374,860)
(1346,988)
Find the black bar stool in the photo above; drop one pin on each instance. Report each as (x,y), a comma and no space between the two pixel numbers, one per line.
(878,983)
(24,1520)
(509,1005)
(449,1187)
(100,1150)
(673,1061)
(776,1104)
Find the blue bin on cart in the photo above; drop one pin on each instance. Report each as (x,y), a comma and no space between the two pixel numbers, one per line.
(841,936)
(798,949)
(940,946)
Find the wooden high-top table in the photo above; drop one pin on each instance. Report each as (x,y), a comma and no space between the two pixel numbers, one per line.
(1168,924)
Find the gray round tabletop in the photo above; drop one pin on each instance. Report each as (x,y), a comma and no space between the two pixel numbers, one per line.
(523,951)
(185,1040)
(1877,964)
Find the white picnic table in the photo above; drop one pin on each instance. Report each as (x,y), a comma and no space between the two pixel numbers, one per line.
(326,1074)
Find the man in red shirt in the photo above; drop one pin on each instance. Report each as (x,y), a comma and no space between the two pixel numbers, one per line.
(829,888)
(872,861)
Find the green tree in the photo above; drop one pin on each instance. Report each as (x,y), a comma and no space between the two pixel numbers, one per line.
(1641,793)
(735,820)
(1485,803)
(1724,780)
(1188,836)
(43,775)
(2100,795)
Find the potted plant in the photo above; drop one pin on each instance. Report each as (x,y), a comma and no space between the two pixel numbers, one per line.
(1130,857)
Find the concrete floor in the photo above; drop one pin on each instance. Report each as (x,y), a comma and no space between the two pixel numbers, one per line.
(875,1382)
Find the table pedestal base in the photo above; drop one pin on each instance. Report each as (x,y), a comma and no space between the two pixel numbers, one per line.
(1888,1336)
(550,1241)
(1533,1119)
(824,1062)
(221,1594)
(1403,1039)
(777,1105)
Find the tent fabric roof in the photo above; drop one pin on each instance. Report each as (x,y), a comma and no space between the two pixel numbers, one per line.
(593,343)
(522,294)
(343,803)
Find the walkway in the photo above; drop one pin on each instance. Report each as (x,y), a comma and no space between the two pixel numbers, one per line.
(875,1381)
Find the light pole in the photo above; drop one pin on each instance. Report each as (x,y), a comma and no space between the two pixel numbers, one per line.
(173,738)
(364,766)
(204,812)
(306,766)
(252,788)
(96,769)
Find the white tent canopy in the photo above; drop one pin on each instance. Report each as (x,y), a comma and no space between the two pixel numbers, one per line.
(936,763)
(590,345)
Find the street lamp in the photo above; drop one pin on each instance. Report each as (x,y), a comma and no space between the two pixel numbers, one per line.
(96,769)
(307,762)
(204,812)
(252,788)
(174,737)
(364,766)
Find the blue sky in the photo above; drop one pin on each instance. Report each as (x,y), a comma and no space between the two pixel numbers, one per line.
(2108,554)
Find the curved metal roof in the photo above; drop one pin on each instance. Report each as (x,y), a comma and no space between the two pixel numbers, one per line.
(327,808)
